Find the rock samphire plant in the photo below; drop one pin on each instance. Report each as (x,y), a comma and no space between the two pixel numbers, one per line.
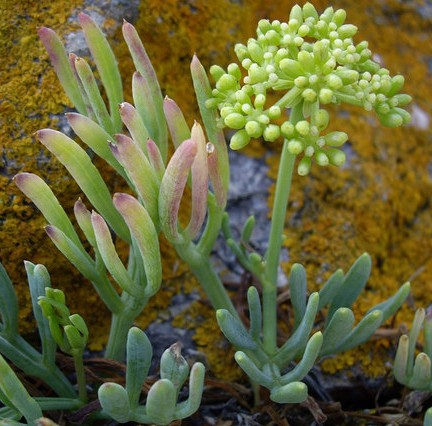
(307,63)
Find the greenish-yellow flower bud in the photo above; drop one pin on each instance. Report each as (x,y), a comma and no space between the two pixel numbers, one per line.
(309,95)
(274,112)
(271,133)
(336,139)
(309,11)
(326,96)
(304,166)
(290,67)
(339,17)
(288,129)
(226,82)
(225,111)
(347,31)
(239,140)
(303,30)
(303,127)
(336,157)
(259,101)
(255,51)
(334,82)
(253,129)
(234,70)
(306,60)
(295,147)
(301,81)
(241,51)
(321,158)
(216,72)
(391,120)
(273,37)
(256,74)
(235,121)
(322,119)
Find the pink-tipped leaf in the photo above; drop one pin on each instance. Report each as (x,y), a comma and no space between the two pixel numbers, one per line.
(106,64)
(60,62)
(150,110)
(96,138)
(144,232)
(177,125)
(199,183)
(133,121)
(42,196)
(86,265)
(215,177)
(209,117)
(110,257)
(172,187)
(79,165)
(89,111)
(140,172)
(83,218)
(91,88)
(155,159)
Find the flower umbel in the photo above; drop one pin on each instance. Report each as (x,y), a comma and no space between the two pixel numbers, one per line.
(313,61)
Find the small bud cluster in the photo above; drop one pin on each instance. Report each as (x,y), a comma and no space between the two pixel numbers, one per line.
(313,60)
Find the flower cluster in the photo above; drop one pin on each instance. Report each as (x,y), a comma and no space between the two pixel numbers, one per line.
(313,60)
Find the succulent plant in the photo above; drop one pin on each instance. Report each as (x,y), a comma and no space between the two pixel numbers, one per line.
(312,61)
(161,407)
(415,373)
(275,370)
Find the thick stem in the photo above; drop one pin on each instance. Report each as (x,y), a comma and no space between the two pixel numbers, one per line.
(80,375)
(120,324)
(282,191)
(202,268)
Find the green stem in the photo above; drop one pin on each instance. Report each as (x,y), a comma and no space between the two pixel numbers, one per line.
(120,324)
(272,256)
(80,375)
(51,403)
(202,268)
(212,228)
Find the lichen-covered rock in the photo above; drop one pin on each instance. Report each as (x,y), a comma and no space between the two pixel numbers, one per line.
(379,203)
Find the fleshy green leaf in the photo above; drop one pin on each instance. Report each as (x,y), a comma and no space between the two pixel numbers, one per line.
(60,62)
(41,194)
(115,401)
(146,91)
(292,393)
(172,187)
(91,88)
(79,165)
(353,284)
(17,394)
(139,354)
(96,138)
(146,237)
(106,64)
(161,402)
(139,171)
(234,331)
(298,290)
